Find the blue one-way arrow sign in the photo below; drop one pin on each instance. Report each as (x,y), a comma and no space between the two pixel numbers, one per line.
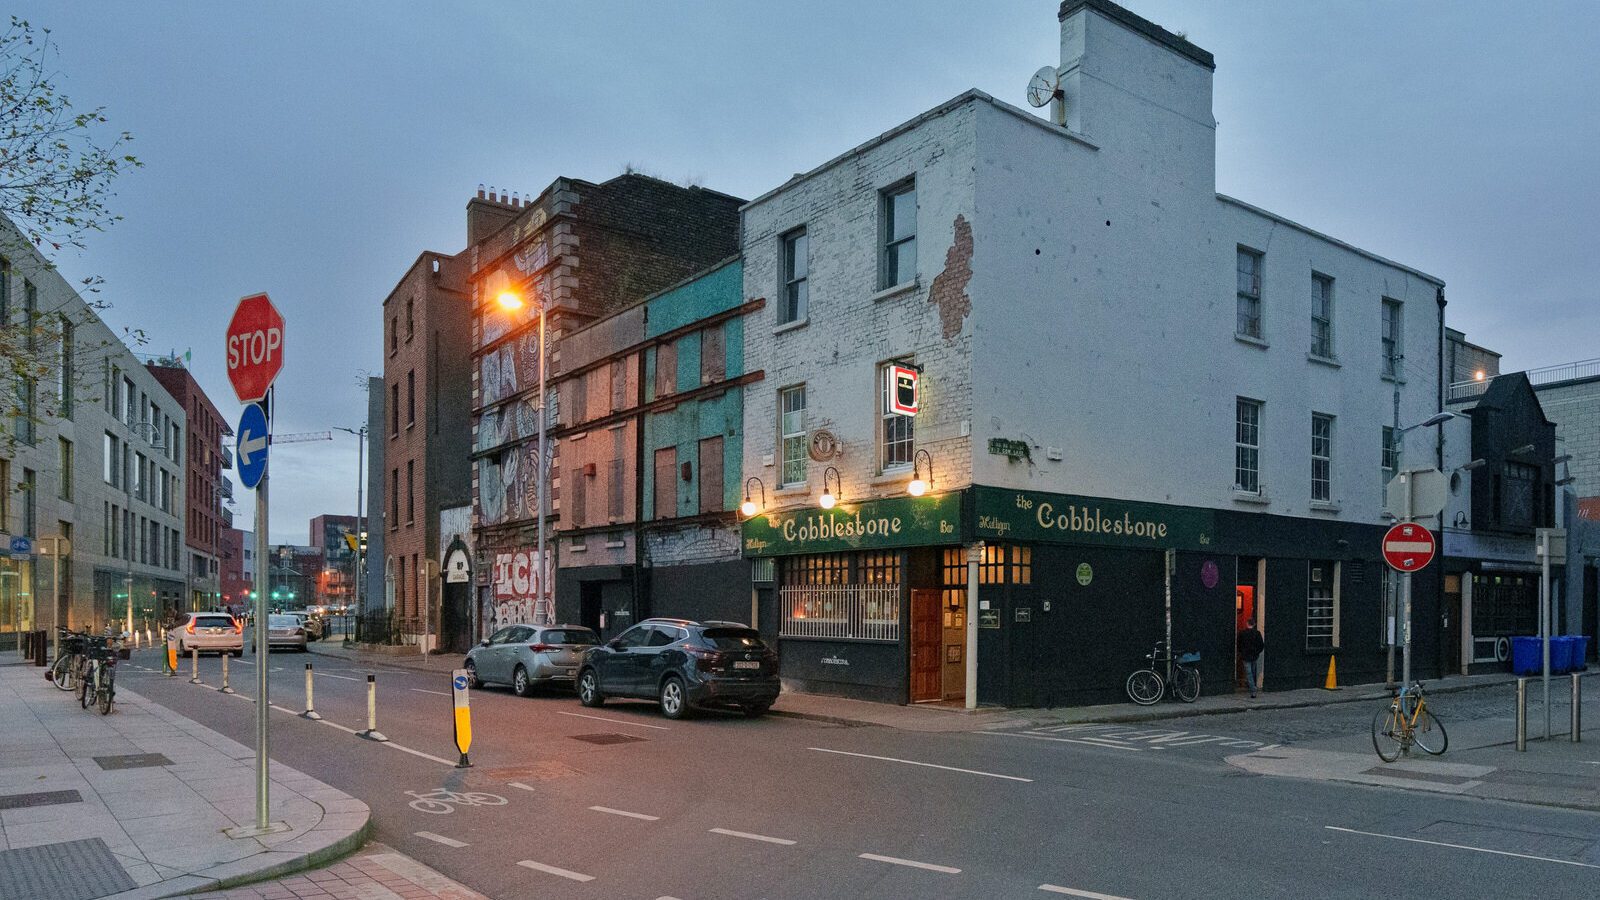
(252,446)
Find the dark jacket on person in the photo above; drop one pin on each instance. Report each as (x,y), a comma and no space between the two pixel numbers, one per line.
(1250,644)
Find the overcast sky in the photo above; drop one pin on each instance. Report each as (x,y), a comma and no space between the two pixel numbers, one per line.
(312,149)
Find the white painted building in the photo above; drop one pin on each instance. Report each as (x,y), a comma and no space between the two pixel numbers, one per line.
(98,463)
(1116,362)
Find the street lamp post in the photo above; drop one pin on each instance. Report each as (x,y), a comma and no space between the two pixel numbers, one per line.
(1438,418)
(361,534)
(510,300)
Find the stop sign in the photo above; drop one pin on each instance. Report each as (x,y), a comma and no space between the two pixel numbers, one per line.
(255,347)
(1408,547)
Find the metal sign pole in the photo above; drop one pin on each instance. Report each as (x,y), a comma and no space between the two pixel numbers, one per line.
(261,653)
(1405,601)
(1544,620)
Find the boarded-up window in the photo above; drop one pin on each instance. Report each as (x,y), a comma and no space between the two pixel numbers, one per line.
(580,399)
(666,496)
(619,385)
(713,357)
(580,495)
(711,475)
(614,482)
(666,369)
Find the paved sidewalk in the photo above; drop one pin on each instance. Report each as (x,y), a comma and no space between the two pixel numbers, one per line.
(134,804)
(376,873)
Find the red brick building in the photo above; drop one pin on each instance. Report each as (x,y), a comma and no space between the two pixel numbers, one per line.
(205,488)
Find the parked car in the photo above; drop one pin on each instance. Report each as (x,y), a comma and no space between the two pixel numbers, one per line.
(525,656)
(209,632)
(284,630)
(310,621)
(683,665)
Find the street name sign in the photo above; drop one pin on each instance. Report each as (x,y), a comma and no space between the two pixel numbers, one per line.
(252,445)
(1429,489)
(1408,547)
(255,347)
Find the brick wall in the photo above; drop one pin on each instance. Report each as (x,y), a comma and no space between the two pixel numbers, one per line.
(1575,408)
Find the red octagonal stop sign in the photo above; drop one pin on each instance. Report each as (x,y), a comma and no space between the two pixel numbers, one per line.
(1408,547)
(255,347)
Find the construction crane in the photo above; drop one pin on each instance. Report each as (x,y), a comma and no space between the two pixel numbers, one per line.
(300,437)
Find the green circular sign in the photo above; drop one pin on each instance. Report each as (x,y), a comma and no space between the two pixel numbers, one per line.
(1085,574)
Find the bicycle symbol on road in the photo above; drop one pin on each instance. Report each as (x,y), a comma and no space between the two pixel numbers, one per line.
(440,802)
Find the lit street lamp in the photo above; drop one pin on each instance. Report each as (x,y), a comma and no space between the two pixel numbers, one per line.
(511,301)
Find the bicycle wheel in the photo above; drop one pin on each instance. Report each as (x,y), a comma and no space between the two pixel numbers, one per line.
(61,673)
(1387,736)
(1145,687)
(104,698)
(1187,685)
(85,692)
(1430,734)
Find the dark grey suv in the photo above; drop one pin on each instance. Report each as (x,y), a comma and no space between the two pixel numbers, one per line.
(683,665)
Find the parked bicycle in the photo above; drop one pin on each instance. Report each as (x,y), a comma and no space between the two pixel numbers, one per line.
(1180,674)
(97,687)
(66,671)
(1405,722)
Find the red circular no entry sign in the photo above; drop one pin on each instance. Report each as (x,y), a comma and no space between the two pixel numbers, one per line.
(1408,547)
(255,347)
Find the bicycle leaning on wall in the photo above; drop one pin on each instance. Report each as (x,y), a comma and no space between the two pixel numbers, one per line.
(1165,672)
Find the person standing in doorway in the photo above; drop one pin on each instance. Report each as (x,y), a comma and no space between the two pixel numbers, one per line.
(1250,643)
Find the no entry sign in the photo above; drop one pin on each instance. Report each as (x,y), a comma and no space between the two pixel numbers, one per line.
(1408,547)
(255,347)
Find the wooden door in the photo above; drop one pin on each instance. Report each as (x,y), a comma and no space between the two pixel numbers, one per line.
(927,642)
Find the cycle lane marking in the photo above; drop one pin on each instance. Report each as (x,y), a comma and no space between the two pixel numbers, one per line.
(1412,840)
(440,839)
(1075,892)
(912,762)
(623,812)
(554,870)
(752,837)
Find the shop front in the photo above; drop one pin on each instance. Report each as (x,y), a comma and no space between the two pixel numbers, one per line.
(869,598)
(16,599)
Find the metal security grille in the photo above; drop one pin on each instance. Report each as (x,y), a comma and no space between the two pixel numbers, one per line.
(866,612)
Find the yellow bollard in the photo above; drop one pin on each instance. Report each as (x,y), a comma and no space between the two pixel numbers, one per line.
(1332,684)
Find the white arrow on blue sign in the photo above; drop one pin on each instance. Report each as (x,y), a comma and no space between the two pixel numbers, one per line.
(252,446)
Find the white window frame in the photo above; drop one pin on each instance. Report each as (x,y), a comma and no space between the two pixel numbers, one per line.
(896,433)
(1391,338)
(1322,315)
(889,274)
(1322,458)
(792,438)
(795,264)
(1247,306)
(1247,445)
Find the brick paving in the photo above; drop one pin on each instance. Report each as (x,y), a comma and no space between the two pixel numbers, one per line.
(375,873)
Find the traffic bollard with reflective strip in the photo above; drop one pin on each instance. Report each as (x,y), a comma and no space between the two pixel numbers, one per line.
(1522,715)
(194,669)
(311,709)
(226,688)
(1577,708)
(169,658)
(372,733)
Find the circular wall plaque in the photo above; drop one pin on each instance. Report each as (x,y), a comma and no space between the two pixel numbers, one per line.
(1085,574)
(1209,574)
(824,446)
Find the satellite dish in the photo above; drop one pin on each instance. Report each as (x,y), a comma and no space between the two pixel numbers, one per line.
(1043,86)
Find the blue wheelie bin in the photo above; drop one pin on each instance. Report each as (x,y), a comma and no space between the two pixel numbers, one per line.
(1560,654)
(1580,653)
(1527,656)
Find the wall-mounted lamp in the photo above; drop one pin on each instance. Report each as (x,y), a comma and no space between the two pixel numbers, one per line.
(748,507)
(1475,464)
(919,485)
(828,499)
(1525,448)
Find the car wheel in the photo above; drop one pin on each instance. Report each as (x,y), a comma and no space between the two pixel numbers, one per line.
(472,676)
(756,711)
(589,689)
(674,703)
(520,685)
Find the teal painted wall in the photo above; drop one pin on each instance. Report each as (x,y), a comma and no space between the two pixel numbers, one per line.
(720,415)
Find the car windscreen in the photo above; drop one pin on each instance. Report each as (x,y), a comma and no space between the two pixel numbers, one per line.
(733,639)
(570,636)
(213,621)
(282,622)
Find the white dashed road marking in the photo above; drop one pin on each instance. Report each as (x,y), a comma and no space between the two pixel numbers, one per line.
(1060,740)
(623,812)
(552,870)
(1074,892)
(435,693)
(948,870)
(912,762)
(1412,840)
(519,785)
(616,721)
(752,837)
(439,839)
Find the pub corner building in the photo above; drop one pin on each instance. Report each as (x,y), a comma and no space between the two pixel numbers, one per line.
(1144,408)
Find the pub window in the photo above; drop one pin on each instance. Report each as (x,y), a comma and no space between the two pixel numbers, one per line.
(1322,605)
(1022,565)
(842,596)
(992,568)
(953,586)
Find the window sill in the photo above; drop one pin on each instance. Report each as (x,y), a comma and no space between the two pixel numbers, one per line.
(1251,340)
(1326,506)
(1395,379)
(1329,361)
(791,326)
(1259,498)
(904,287)
(578,548)
(892,476)
(617,546)
(793,490)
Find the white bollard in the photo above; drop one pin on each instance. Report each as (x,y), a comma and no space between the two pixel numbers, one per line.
(226,688)
(372,733)
(194,669)
(311,709)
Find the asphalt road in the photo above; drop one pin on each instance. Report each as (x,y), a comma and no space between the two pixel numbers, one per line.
(621,803)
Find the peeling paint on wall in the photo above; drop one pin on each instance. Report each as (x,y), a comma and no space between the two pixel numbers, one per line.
(949,290)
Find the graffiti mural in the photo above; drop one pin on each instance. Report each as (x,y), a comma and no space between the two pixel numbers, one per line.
(510,367)
(508,485)
(516,589)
